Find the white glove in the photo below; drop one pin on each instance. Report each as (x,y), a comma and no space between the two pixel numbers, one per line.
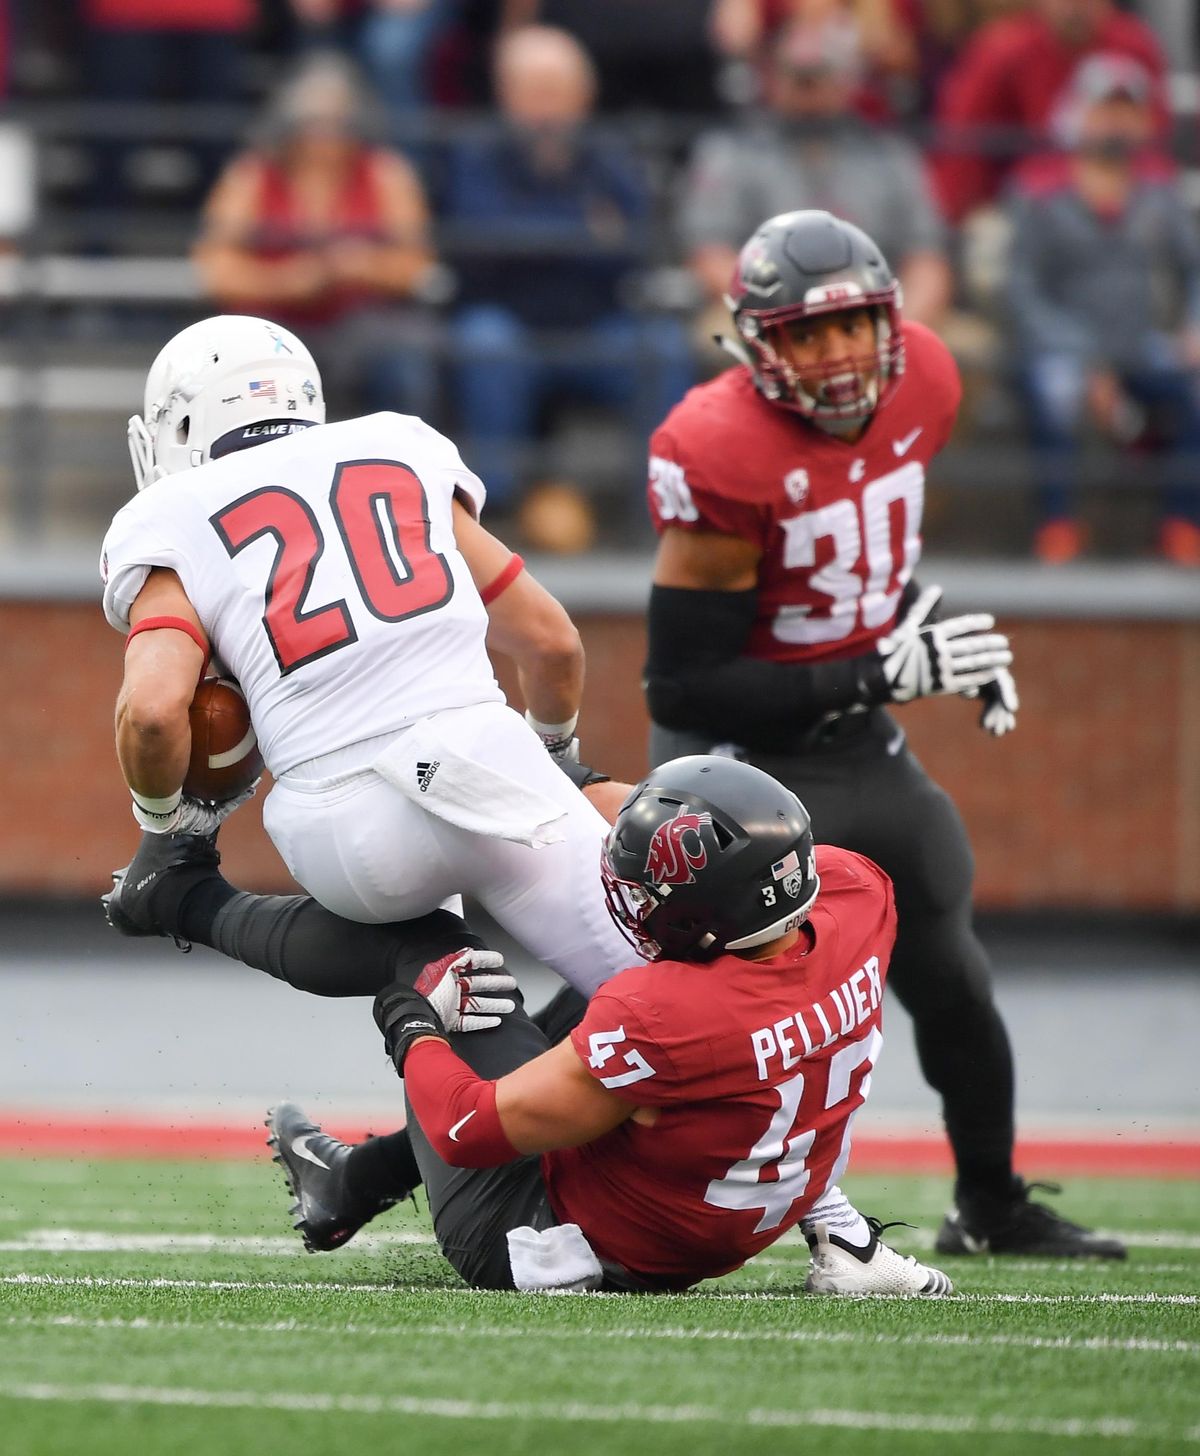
(923,659)
(462,987)
(558,739)
(1000,703)
(181,814)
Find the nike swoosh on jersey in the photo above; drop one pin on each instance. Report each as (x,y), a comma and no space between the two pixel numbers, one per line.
(462,1122)
(895,743)
(302,1150)
(901,447)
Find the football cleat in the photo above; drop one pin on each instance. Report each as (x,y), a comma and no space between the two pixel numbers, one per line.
(985,1224)
(136,901)
(839,1268)
(324,1210)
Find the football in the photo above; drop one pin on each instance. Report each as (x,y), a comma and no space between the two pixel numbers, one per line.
(225,758)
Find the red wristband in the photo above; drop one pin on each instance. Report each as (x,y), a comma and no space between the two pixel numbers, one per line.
(176,624)
(506,578)
(456,1109)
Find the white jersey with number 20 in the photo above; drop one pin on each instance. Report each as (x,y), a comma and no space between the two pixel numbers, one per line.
(324,568)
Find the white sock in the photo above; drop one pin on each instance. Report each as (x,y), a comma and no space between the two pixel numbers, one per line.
(840,1216)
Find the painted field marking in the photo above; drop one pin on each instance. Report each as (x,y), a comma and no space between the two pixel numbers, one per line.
(1092,1344)
(102,1241)
(315,1286)
(319,1403)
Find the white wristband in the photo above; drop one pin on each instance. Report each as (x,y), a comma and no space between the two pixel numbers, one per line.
(553,730)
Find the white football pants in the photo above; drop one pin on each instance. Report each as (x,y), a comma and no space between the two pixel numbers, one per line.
(372,853)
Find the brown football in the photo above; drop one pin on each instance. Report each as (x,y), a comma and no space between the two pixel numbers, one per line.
(225,758)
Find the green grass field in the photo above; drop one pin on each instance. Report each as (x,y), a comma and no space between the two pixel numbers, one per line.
(155,1308)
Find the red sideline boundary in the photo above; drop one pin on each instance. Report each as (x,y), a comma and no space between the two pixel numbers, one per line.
(34,1134)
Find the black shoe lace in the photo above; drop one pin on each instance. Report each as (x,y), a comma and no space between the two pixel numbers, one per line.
(1028,1188)
(878,1228)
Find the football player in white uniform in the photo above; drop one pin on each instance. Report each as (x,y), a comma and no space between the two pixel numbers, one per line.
(339,572)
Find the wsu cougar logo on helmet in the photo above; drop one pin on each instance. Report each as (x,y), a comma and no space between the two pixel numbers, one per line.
(672,858)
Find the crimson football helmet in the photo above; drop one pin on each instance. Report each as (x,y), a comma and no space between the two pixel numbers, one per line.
(708,855)
(800,265)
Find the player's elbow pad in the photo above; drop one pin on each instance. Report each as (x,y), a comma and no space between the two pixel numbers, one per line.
(455,1108)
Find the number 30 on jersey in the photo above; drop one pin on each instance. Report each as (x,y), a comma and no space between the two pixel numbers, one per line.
(857,532)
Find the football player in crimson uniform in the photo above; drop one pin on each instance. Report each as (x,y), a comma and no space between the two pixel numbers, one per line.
(700,1108)
(787,495)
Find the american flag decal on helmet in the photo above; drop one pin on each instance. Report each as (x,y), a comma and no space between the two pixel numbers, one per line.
(672,859)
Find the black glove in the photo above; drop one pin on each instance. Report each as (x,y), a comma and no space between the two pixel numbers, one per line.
(580,775)
(403,1015)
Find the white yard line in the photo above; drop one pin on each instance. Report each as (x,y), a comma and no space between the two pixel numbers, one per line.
(1094,1344)
(313,1402)
(86,1281)
(786,1254)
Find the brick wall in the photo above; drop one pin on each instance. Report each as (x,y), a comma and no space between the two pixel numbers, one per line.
(1095,801)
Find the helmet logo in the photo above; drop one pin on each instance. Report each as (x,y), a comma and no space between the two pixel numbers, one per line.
(757,270)
(672,858)
(309,390)
(789,872)
(280,346)
(825,294)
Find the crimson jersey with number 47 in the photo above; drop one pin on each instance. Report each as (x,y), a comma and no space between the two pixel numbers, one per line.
(324,568)
(838,524)
(751,1072)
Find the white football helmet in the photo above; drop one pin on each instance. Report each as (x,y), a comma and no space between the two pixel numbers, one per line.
(212,385)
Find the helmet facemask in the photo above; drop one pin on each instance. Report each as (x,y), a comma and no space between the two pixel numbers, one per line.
(847,393)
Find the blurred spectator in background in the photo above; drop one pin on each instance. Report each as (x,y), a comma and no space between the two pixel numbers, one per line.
(144,50)
(394,40)
(554,216)
(1010,79)
(886,31)
(810,149)
(1102,240)
(317,24)
(652,55)
(397,40)
(328,234)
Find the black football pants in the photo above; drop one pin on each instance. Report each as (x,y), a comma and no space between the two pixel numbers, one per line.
(868,793)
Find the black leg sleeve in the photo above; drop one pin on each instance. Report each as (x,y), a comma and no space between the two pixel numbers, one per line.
(941,975)
(296,940)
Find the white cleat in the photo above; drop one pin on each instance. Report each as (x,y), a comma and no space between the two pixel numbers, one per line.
(839,1268)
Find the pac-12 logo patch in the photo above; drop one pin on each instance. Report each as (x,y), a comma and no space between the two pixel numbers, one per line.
(676,849)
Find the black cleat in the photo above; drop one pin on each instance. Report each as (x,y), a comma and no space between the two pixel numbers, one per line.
(136,901)
(314,1164)
(985,1224)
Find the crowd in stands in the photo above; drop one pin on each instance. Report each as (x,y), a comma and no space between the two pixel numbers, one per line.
(536,252)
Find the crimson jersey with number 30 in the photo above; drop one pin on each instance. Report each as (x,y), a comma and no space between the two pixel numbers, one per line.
(324,568)
(838,524)
(753,1070)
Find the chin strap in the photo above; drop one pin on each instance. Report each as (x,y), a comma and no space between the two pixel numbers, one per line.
(731,346)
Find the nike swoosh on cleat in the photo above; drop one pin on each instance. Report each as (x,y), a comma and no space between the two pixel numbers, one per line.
(302,1150)
(462,1122)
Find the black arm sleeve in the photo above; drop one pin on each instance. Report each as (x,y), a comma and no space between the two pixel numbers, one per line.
(697,677)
